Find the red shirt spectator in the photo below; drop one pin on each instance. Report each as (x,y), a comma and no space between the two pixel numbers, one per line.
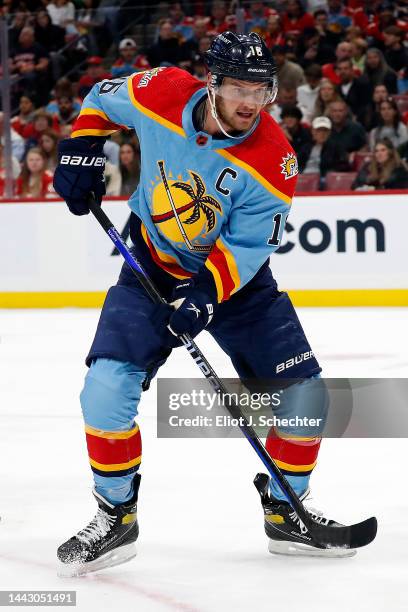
(26,115)
(94,73)
(274,35)
(34,181)
(344,50)
(42,122)
(295,19)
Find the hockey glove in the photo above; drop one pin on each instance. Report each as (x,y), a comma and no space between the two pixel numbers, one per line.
(195,301)
(80,172)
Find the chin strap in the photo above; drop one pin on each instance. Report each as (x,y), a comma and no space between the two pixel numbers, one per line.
(211,98)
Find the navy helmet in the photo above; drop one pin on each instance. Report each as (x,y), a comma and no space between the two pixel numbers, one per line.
(241,56)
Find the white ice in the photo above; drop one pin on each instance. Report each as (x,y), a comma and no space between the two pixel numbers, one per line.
(202,546)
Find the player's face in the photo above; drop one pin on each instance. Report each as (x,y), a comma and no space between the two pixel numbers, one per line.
(239,103)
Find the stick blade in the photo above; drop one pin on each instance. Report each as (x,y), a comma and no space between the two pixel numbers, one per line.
(352,536)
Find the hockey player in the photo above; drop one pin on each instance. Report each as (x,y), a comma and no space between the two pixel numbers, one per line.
(217,180)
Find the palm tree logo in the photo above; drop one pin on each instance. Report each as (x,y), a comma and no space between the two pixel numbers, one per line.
(200,201)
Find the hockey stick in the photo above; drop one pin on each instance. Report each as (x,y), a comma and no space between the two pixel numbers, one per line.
(353,536)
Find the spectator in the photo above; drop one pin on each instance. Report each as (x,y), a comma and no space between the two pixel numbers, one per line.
(274,35)
(167,49)
(48,35)
(324,154)
(389,125)
(20,20)
(377,71)
(313,50)
(25,116)
(327,94)
(257,18)
(30,61)
(330,37)
(289,74)
(191,48)
(66,113)
(385,171)
(295,19)
(344,50)
(371,115)
(182,25)
(14,165)
(218,21)
(396,54)
(354,91)
(41,123)
(63,88)
(17,142)
(298,135)
(111,151)
(359,49)
(48,143)
(62,13)
(129,167)
(348,134)
(307,93)
(91,28)
(95,72)
(34,181)
(338,19)
(286,97)
(129,60)
(112,179)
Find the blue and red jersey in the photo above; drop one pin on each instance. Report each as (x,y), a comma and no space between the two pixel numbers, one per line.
(203,201)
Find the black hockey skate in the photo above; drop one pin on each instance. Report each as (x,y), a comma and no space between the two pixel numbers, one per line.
(108,540)
(286,532)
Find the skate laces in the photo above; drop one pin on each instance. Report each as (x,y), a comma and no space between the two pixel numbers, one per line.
(97,528)
(317,515)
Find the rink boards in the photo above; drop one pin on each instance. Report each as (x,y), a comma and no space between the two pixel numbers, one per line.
(337,250)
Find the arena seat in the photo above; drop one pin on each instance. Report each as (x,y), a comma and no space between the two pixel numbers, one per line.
(307,182)
(340,181)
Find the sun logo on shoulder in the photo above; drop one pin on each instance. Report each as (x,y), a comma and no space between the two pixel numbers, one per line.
(289,166)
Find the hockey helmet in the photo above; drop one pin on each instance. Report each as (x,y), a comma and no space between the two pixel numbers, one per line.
(244,57)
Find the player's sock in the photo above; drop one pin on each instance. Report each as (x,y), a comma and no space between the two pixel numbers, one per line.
(108,540)
(286,532)
(296,457)
(114,458)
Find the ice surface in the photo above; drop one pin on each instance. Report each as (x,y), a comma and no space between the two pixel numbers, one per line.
(202,545)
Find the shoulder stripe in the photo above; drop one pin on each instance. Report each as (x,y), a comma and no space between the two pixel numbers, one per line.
(255,174)
(92,133)
(94,111)
(164,122)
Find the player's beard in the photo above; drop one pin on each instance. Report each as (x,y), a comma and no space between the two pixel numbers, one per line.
(231,122)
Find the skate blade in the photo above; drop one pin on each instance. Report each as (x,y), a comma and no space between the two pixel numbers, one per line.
(280,547)
(110,559)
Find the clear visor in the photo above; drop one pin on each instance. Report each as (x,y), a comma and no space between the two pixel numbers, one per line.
(259,95)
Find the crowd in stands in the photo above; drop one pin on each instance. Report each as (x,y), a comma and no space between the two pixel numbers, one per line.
(342,69)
